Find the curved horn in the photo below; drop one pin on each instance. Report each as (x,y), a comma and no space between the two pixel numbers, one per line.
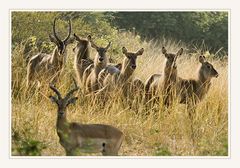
(54,31)
(69,31)
(55,90)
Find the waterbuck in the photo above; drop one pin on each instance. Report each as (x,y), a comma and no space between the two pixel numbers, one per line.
(100,62)
(47,67)
(192,91)
(164,83)
(79,138)
(82,57)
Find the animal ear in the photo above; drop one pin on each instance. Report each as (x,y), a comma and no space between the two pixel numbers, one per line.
(53,99)
(107,47)
(124,50)
(72,100)
(89,37)
(164,51)
(140,52)
(202,59)
(180,52)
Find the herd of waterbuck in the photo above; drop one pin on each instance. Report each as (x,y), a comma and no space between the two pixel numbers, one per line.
(98,77)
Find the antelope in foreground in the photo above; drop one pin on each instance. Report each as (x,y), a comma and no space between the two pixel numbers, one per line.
(48,67)
(100,62)
(165,84)
(82,57)
(85,138)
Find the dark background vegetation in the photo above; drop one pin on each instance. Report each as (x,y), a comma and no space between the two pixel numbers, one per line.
(195,28)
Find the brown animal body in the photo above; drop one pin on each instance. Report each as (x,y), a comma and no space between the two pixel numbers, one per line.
(124,79)
(166,83)
(110,69)
(78,138)
(82,58)
(192,91)
(100,62)
(45,67)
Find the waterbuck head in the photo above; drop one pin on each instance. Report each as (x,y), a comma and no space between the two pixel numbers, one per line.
(101,51)
(81,48)
(206,71)
(170,57)
(63,102)
(131,57)
(61,44)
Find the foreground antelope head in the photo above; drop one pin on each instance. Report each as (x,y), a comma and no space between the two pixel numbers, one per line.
(63,102)
(61,44)
(101,51)
(170,57)
(77,138)
(206,71)
(131,58)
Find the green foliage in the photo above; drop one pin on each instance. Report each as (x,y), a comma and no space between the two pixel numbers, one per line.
(190,27)
(26,146)
(162,151)
(27,25)
(30,148)
(222,150)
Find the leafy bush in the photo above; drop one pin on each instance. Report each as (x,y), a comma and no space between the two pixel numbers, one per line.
(26,146)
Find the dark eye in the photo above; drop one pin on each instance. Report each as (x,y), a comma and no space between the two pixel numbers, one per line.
(208,66)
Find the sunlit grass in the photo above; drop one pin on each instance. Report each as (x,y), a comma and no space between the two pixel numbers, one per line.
(161,132)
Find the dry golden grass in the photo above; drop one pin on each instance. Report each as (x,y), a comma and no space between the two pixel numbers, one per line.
(161,132)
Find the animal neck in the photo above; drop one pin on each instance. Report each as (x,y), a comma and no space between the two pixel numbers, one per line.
(126,71)
(57,60)
(170,73)
(203,85)
(62,125)
(203,80)
(99,66)
(83,53)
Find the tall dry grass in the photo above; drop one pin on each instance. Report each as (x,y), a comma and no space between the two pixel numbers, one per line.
(154,131)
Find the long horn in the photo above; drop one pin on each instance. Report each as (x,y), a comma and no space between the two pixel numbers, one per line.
(69,31)
(55,90)
(54,31)
(73,90)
